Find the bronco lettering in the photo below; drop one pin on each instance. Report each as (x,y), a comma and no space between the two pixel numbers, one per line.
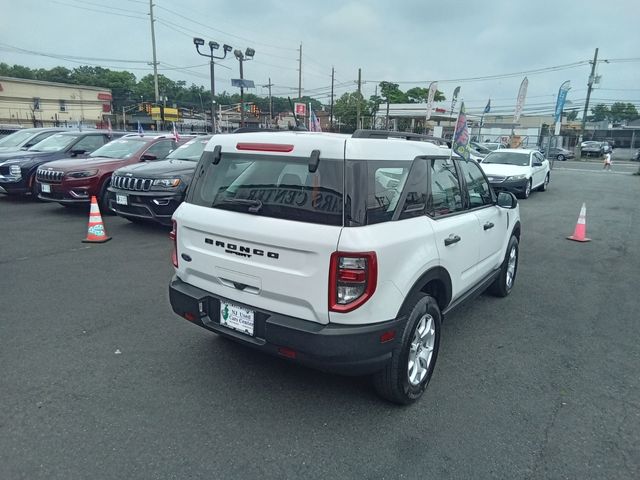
(241,250)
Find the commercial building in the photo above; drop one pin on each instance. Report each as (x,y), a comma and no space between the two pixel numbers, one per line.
(34,103)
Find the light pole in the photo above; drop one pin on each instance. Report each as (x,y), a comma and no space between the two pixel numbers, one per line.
(198,42)
(242,57)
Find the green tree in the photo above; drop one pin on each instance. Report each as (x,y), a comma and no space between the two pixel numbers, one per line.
(346,108)
(572,115)
(621,111)
(600,112)
(421,95)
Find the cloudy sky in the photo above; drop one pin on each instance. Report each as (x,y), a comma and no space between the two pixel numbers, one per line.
(410,42)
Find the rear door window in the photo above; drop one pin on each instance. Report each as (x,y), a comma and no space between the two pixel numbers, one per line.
(273,186)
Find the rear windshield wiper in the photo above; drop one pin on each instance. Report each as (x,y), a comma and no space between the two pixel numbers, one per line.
(254,205)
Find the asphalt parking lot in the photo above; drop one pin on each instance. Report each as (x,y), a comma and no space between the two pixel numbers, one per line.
(101,380)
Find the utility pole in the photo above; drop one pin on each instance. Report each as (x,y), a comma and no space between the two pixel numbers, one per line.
(155,63)
(300,73)
(589,88)
(270,101)
(241,94)
(333,71)
(359,96)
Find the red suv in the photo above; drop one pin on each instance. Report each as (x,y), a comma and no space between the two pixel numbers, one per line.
(74,181)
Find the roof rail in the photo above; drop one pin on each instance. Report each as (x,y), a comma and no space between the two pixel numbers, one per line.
(390,134)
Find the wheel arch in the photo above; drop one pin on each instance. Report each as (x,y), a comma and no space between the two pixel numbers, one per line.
(516,231)
(435,282)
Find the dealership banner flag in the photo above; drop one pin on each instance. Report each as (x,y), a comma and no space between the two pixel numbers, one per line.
(176,136)
(487,109)
(522,95)
(562,96)
(432,94)
(314,123)
(109,130)
(454,98)
(140,129)
(461,135)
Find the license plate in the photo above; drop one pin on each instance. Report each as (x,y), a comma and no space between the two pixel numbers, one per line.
(122,200)
(45,188)
(236,317)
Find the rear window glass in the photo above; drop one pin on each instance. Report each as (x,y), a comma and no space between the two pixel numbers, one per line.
(278,187)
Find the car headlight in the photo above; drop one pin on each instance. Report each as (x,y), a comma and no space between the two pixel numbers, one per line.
(15,170)
(516,177)
(82,174)
(167,182)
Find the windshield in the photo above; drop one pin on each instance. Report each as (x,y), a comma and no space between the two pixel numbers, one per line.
(55,143)
(508,158)
(123,148)
(190,151)
(491,146)
(15,139)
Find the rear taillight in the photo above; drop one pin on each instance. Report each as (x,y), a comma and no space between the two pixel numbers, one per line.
(173,236)
(352,280)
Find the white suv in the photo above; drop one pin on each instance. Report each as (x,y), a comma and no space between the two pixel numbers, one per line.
(339,252)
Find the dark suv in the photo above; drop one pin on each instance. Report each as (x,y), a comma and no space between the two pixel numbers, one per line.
(153,191)
(18,169)
(73,181)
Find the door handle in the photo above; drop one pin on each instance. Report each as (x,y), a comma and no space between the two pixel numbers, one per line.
(451,240)
(488,225)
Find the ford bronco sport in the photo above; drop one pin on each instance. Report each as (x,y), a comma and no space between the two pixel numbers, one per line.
(340,252)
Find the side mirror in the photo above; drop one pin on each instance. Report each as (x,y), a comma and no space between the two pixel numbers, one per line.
(148,156)
(79,151)
(507,200)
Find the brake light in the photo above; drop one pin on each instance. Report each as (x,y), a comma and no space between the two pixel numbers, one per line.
(265,147)
(352,280)
(173,236)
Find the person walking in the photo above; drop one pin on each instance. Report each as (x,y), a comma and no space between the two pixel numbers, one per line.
(607,161)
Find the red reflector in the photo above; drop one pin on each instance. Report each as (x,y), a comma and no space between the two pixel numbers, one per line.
(189,316)
(265,147)
(387,336)
(287,352)
(355,276)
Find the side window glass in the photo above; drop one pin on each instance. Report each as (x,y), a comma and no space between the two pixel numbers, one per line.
(160,149)
(89,143)
(386,181)
(415,201)
(446,194)
(478,188)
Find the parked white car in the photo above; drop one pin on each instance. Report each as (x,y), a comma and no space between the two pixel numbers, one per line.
(518,171)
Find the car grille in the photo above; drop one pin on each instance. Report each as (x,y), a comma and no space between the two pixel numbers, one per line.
(131,183)
(50,176)
(496,178)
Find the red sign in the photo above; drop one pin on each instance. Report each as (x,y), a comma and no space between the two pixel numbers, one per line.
(440,110)
(106,107)
(104,96)
(301,109)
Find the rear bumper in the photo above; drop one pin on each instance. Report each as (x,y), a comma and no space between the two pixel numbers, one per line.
(153,206)
(348,350)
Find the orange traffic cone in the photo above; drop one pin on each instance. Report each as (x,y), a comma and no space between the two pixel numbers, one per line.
(95,231)
(580,233)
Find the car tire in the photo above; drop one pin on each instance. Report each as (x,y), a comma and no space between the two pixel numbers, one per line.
(545,185)
(503,285)
(33,190)
(527,191)
(561,157)
(405,378)
(103,199)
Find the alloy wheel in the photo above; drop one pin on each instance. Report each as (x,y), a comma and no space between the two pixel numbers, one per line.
(421,350)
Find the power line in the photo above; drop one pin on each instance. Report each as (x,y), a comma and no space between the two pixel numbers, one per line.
(105,12)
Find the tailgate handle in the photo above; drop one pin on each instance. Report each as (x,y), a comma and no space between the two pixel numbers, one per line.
(243,287)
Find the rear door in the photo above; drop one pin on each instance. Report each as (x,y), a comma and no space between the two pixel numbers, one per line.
(260,231)
(540,171)
(456,229)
